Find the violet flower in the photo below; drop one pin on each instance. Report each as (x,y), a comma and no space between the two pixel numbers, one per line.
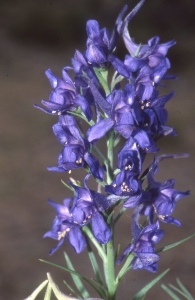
(88,205)
(161,198)
(63,225)
(75,152)
(143,244)
(64,97)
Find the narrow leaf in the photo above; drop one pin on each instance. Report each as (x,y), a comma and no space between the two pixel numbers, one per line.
(117,251)
(67,185)
(184,289)
(78,283)
(71,289)
(48,292)
(145,289)
(174,244)
(172,294)
(37,290)
(102,287)
(109,219)
(94,263)
(179,291)
(124,268)
(70,271)
(102,80)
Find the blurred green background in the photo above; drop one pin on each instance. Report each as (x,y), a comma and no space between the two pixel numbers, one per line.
(35,36)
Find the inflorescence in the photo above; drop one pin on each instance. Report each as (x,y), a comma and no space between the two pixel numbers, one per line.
(126,108)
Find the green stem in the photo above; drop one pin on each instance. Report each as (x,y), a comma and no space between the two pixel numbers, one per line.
(111,270)
(100,250)
(100,155)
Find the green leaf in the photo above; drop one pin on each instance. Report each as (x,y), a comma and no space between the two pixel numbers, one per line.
(70,271)
(37,290)
(78,283)
(169,291)
(116,79)
(184,289)
(104,289)
(82,116)
(102,76)
(71,289)
(117,251)
(147,287)
(48,292)
(179,291)
(174,244)
(137,50)
(67,185)
(124,268)
(109,219)
(94,263)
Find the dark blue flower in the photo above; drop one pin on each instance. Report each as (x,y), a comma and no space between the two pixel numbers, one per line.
(129,157)
(75,152)
(87,206)
(119,117)
(161,198)
(63,225)
(126,183)
(64,97)
(100,43)
(143,244)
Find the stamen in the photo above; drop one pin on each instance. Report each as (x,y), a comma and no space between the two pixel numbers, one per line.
(69,172)
(148,104)
(125,188)
(79,161)
(54,112)
(62,234)
(128,167)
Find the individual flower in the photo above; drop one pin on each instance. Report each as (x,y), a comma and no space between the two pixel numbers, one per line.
(65,225)
(119,118)
(161,198)
(75,152)
(88,205)
(100,43)
(143,244)
(126,183)
(64,97)
(129,157)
